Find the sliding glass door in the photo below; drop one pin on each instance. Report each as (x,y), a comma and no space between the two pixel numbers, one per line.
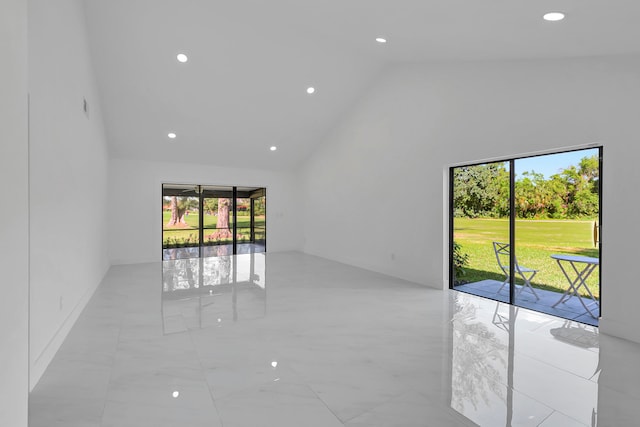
(547,209)
(480,218)
(207,220)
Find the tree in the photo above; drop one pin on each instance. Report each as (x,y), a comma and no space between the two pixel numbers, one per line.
(259,206)
(589,168)
(535,196)
(557,206)
(481,190)
(582,183)
(177,213)
(179,207)
(210,205)
(223,213)
(222,225)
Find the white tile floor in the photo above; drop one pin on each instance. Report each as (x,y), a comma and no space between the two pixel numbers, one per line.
(301,341)
(209,251)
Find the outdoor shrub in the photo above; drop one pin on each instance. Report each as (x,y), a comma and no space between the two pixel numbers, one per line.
(460,260)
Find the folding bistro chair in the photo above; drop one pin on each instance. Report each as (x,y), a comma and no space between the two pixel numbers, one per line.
(502,251)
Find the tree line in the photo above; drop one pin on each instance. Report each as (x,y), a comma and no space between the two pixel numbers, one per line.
(483,191)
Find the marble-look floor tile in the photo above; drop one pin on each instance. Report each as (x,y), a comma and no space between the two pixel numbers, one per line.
(410,410)
(571,394)
(558,419)
(157,387)
(134,414)
(310,342)
(499,406)
(63,410)
(276,404)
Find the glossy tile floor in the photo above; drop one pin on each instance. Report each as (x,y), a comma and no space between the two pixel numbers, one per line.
(288,339)
(209,251)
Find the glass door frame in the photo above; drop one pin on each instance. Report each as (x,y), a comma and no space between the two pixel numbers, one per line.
(201,192)
(512,217)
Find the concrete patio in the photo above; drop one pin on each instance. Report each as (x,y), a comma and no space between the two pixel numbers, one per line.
(571,309)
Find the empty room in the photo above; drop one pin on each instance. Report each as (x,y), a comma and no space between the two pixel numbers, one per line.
(337,213)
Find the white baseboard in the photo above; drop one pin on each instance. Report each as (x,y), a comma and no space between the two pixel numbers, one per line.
(42,360)
(620,330)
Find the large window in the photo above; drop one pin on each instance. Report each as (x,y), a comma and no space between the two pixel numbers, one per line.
(526,232)
(207,220)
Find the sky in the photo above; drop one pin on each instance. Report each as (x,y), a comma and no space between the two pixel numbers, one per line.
(553,163)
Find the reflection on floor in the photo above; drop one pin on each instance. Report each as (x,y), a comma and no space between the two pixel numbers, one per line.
(571,309)
(293,340)
(204,292)
(214,250)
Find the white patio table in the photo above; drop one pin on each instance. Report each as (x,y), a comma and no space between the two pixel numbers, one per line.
(582,267)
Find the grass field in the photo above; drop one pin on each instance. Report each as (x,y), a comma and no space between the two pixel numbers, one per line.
(536,240)
(210,221)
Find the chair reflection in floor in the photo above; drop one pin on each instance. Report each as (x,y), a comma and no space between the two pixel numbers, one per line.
(502,251)
(504,320)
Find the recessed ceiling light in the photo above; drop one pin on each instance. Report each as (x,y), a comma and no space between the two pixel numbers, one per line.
(381,40)
(172,135)
(273,148)
(182,57)
(311,90)
(553,16)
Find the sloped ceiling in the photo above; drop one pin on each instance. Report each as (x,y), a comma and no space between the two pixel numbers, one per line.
(250,62)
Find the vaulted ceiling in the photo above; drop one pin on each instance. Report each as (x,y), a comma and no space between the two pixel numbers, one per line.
(250,62)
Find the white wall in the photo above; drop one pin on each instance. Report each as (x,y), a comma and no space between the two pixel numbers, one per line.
(68,175)
(374,190)
(14,229)
(135,201)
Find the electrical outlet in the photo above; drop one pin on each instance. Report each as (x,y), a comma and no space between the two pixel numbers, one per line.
(61,301)
(393,256)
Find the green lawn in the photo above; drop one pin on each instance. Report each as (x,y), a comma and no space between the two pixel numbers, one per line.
(536,240)
(210,221)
